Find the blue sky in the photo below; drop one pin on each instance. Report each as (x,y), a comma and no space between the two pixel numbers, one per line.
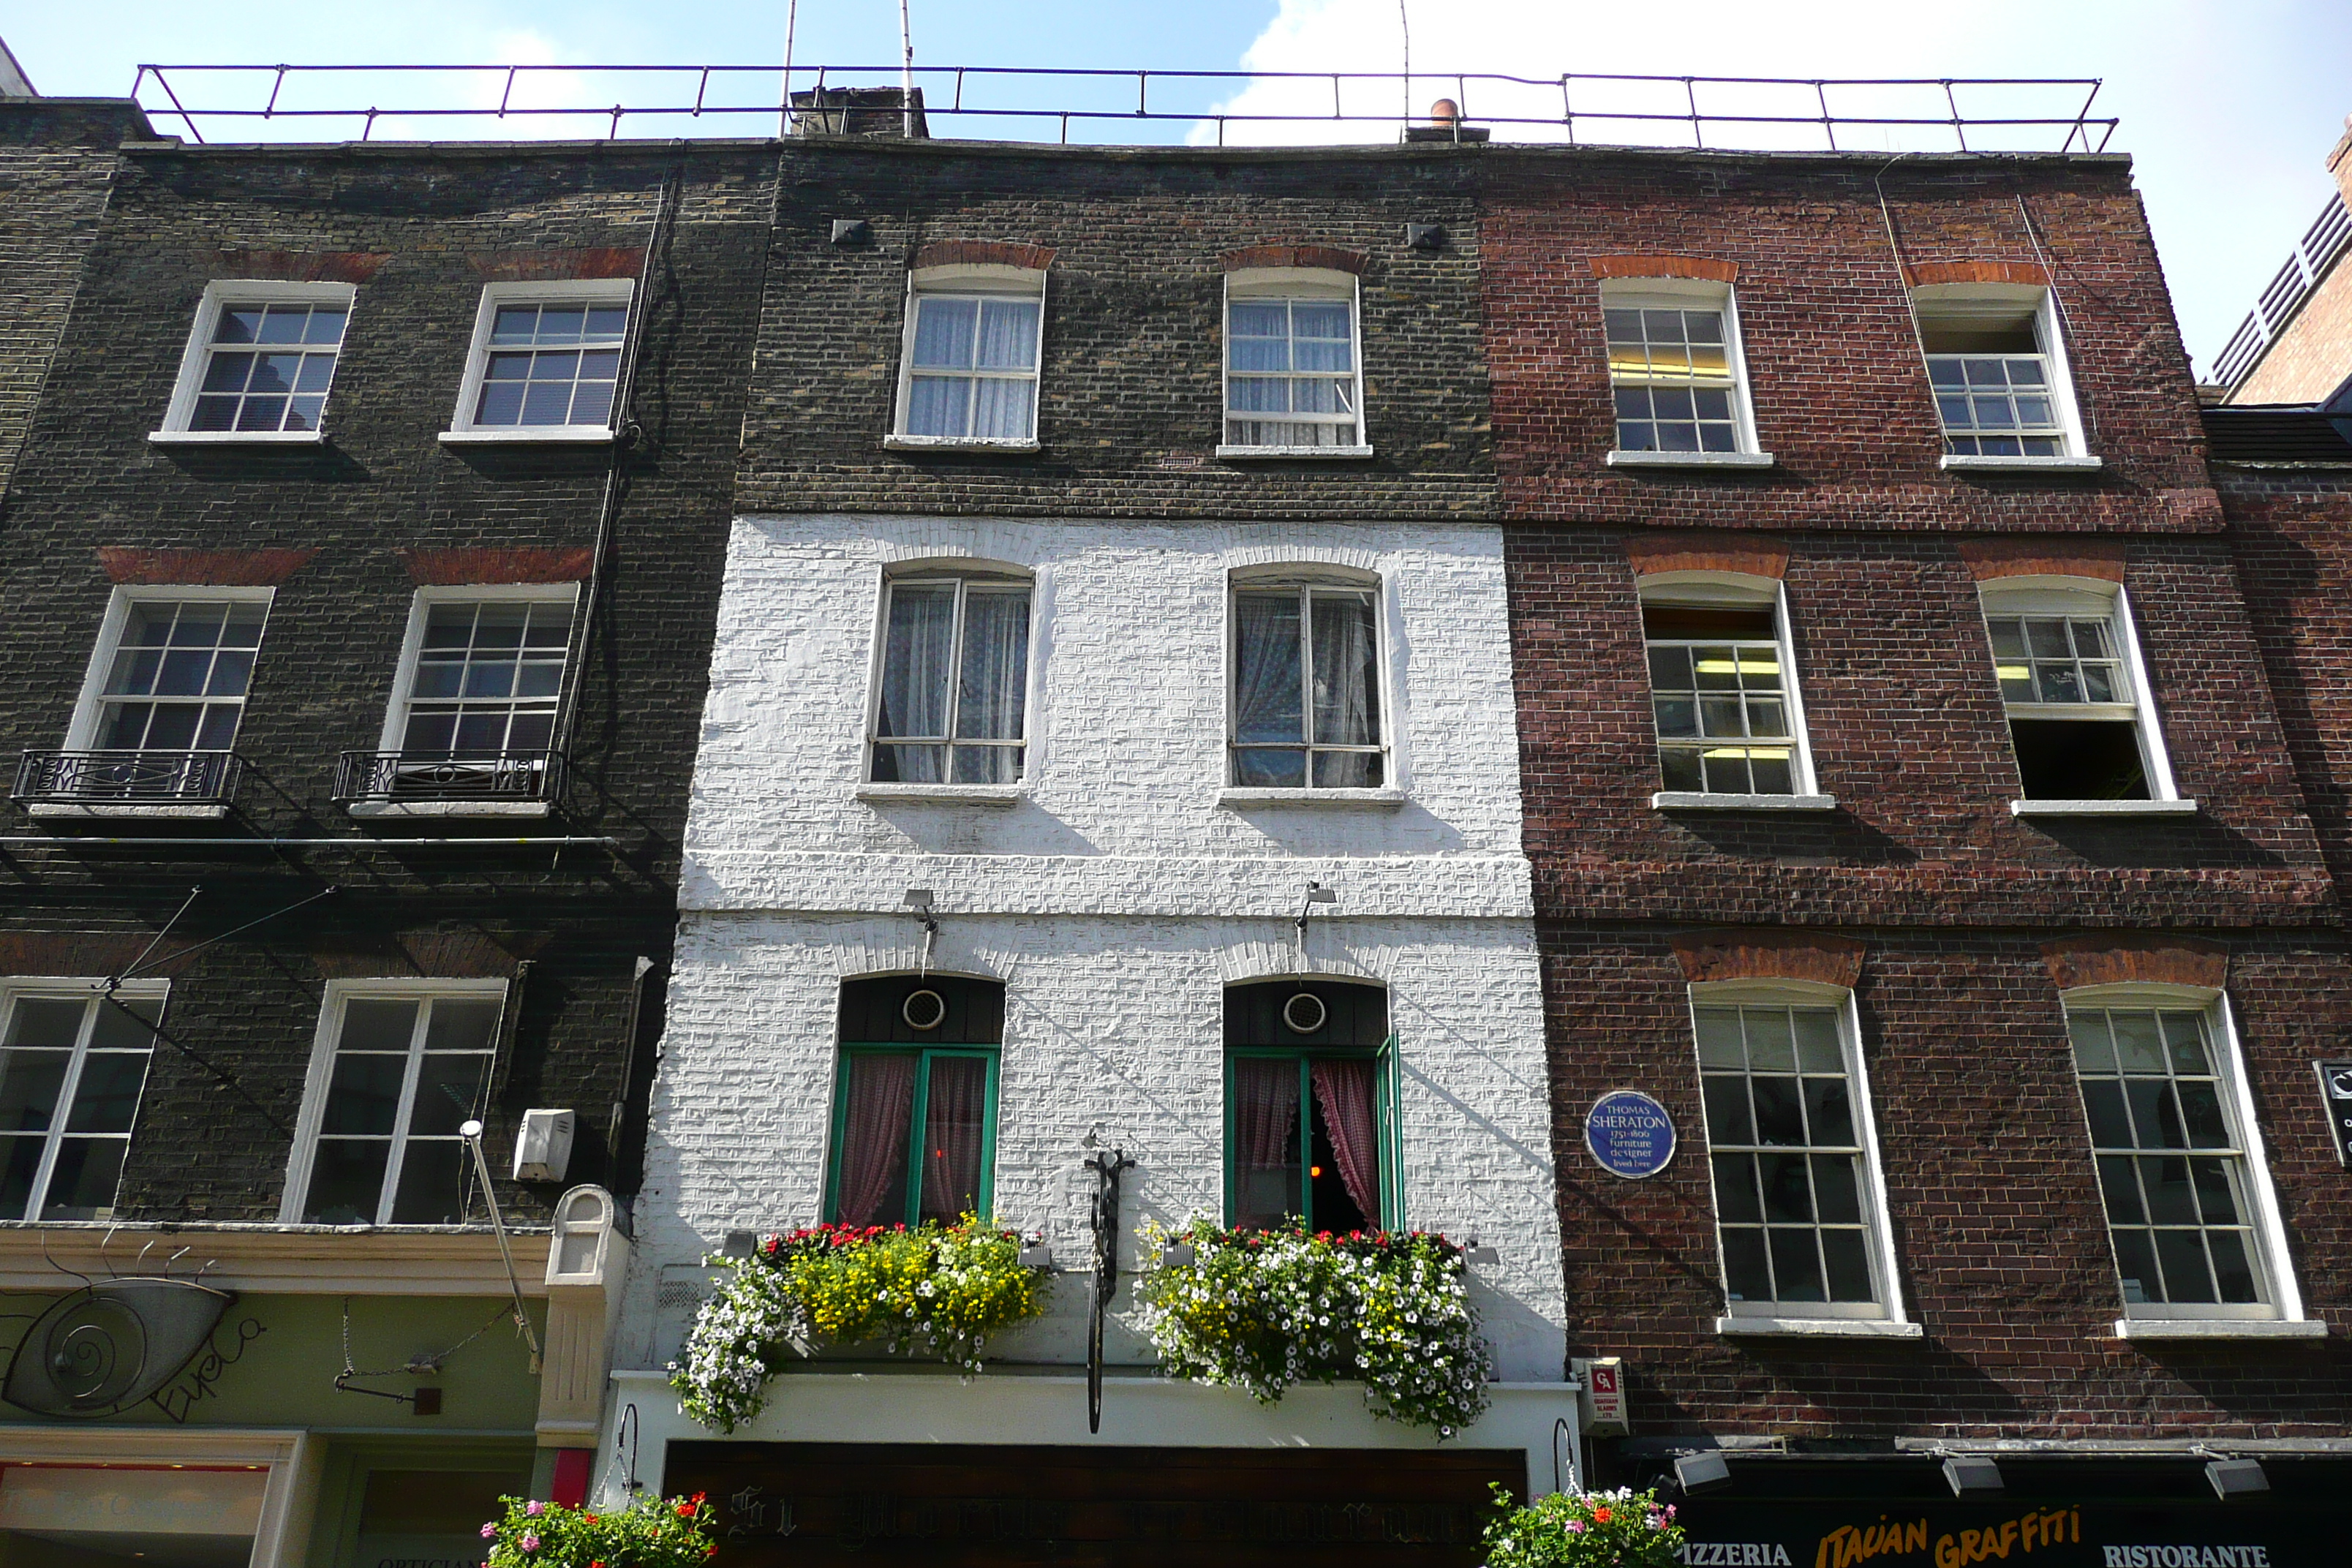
(2228,108)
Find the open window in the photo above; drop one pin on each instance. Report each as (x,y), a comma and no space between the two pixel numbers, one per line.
(1723,692)
(1676,372)
(1998,372)
(951,700)
(974,343)
(2190,1208)
(1307,710)
(1294,375)
(913,1109)
(1310,1106)
(1793,1157)
(2076,692)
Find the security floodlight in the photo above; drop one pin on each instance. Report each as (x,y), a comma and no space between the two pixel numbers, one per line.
(1318,894)
(1701,1472)
(739,1243)
(2236,1478)
(918,898)
(1972,1474)
(1476,1251)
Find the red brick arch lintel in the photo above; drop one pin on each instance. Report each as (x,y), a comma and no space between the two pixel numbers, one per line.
(1815,956)
(982,253)
(1682,550)
(2028,557)
(2110,959)
(1664,267)
(1329,257)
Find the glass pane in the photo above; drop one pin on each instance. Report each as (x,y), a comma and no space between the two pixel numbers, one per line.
(1778,1116)
(954,1124)
(1829,1118)
(1718,1038)
(2139,1047)
(1267,698)
(2184,1035)
(1797,1265)
(915,660)
(1746,1275)
(1266,1157)
(2171,1198)
(1347,671)
(448,1090)
(1770,1045)
(2135,1262)
(20,1163)
(945,330)
(2233,1270)
(124,1026)
(363,1095)
(2187,1275)
(1008,334)
(2105,1102)
(84,1181)
(375,1024)
(431,1183)
(996,667)
(30,1081)
(1263,767)
(2093,1053)
(47,1021)
(1735,1197)
(1817,1041)
(346,1181)
(462,1025)
(1347,770)
(1849,1267)
(1835,1189)
(106,1098)
(1788,1193)
(1728,1120)
(2119,1183)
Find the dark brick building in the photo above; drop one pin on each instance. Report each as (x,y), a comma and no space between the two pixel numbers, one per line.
(355,751)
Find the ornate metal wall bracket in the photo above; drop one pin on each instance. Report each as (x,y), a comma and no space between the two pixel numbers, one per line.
(1106,1169)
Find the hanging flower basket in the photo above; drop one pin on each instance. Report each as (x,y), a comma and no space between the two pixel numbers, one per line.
(949,1288)
(648,1533)
(1623,1528)
(1263,1310)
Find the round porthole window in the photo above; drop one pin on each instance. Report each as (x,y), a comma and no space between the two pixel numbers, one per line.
(1305,1013)
(924,1009)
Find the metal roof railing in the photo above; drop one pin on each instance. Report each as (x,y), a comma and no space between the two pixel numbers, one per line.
(2277,304)
(1962,114)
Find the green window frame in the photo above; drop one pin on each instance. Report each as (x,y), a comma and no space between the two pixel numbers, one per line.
(1386,1083)
(918,1114)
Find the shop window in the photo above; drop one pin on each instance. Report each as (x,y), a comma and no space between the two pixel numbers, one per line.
(1293,381)
(72,1066)
(1675,367)
(399,1067)
(1723,688)
(914,1116)
(1306,710)
(2175,1158)
(1310,1098)
(1788,1146)
(973,356)
(259,361)
(2000,384)
(2071,682)
(954,697)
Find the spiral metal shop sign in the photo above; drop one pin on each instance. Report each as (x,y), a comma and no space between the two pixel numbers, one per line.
(114,1342)
(2336,1094)
(1630,1135)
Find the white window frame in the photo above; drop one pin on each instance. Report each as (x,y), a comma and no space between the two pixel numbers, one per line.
(1686,294)
(82,731)
(1927,300)
(197,356)
(582,290)
(2084,598)
(969,280)
(319,1079)
(1738,590)
(1250,284)
(961,571)
(1387,625)
(2285,1306)
(14,988)
(1886,1317)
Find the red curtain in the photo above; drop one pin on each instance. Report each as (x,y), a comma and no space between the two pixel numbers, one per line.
(874,1152)
(952,1136)
(1265,1129)
(1344,1090)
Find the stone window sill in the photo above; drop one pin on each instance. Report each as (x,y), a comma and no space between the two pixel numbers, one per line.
(1378,799)
(1697,800)
(237,437)
(1819,1328)
(1689,460)
(1289,454)
(2219,1329)
(63,810)
(942,795)
(1973,463)
(366,809)
(529,436)
(2102,808)
(958,444)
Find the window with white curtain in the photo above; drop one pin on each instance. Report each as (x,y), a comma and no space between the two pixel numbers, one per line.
(1306,698)
(953,699)
(974,343)
(1293,378)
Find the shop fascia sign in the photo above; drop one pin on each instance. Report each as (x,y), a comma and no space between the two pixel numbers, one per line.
(117,1343)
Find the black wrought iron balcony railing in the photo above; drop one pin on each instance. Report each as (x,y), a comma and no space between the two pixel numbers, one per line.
(127,778)
(404,776)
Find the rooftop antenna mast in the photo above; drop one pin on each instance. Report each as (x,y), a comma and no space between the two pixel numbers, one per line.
(906,69)
(1404,21)
(792,23)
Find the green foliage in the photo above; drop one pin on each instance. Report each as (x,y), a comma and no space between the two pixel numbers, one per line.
(1263,1310)
(650,1532)
(1623,1529)
(952,1287)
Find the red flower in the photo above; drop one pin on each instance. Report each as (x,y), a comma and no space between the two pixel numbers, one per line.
(1599,1516)
(685,1511)
(699,1496)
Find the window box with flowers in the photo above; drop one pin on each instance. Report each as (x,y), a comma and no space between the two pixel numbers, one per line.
(952,1287)
(1621,1529)
(1261,1309)
(650,1532)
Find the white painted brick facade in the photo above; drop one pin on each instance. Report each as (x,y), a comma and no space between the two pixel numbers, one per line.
(1116,899)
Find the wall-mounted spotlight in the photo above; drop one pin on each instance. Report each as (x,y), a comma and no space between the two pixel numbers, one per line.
(1479,1252)
(1972,1474)
(2236,1478)
(919,900)
(1317,893)
(1701,1472)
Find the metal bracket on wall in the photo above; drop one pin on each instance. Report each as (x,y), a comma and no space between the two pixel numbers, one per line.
(1106,1169)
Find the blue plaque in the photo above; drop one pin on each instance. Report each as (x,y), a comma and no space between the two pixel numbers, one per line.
(1630,1135)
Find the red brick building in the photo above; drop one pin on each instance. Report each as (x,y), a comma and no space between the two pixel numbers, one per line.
(1910,741)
